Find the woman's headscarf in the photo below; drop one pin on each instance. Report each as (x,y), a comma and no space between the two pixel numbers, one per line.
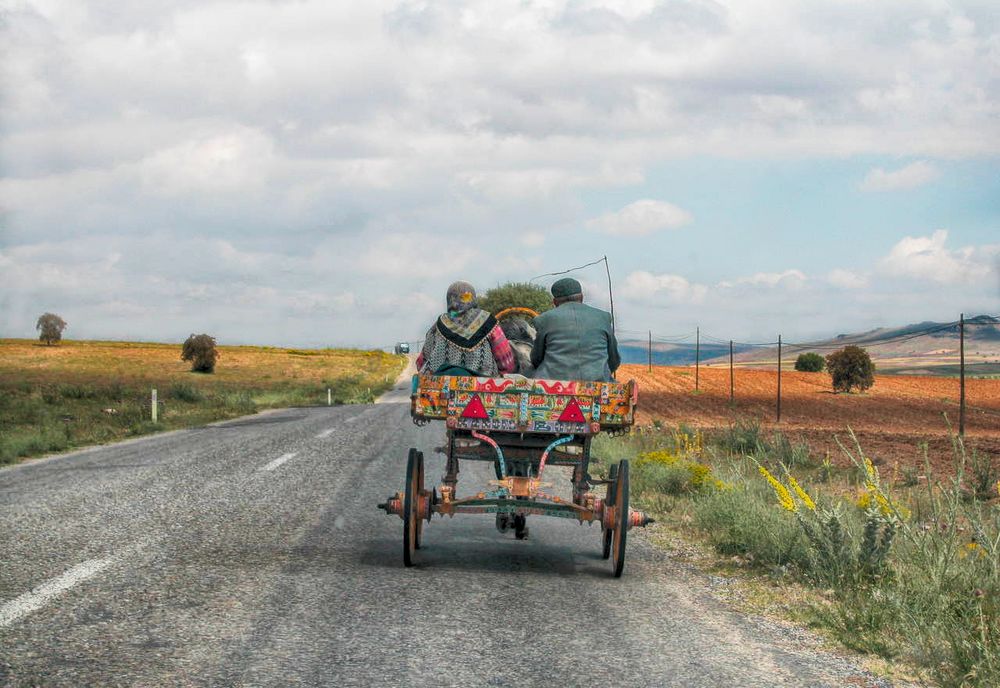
(461,297)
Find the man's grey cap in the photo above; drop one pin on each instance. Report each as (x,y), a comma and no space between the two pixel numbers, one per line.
(567,286)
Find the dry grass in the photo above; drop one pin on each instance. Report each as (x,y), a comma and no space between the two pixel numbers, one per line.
(54,398)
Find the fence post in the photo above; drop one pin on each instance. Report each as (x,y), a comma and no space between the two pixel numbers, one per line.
(961,375)
(650,350)
(153,404)
(779,378)
(697,355)
(732,382)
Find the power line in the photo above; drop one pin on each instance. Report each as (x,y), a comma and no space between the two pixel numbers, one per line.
(564,272)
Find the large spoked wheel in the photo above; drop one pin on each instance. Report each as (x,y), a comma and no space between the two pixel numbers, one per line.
(620,533)
(609,499)
(412,526)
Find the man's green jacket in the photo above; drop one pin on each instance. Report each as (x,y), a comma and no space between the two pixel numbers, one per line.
(574,342)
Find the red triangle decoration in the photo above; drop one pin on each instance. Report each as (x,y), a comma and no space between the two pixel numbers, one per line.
(572,413)
(475,409)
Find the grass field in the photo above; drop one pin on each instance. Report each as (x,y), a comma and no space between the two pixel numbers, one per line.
(54,398)
(902,566)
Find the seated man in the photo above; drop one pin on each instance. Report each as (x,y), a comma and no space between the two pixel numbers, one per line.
(465,340)
(574,341)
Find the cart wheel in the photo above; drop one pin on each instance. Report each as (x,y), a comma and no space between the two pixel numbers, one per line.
(411,523)
(612,472)
(420,491)
(520,527)
(621,519)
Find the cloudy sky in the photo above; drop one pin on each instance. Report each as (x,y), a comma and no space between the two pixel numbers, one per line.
(307,172)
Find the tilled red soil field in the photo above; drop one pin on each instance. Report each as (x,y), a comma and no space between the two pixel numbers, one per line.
(891,419)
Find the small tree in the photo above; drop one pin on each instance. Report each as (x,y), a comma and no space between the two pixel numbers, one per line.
(516,295)
(809,363)
(50,327)
(851,367)
(200,350)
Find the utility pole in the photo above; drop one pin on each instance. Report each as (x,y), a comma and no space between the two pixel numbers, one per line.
(650,350)
(961,375)
(779,378)
(732,382)
(697,355)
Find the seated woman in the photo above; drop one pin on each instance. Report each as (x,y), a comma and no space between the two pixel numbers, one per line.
(465,340)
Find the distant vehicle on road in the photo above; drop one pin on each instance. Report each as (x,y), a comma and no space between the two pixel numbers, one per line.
(402,348)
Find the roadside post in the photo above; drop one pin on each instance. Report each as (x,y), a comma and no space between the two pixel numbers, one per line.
(697,355)
(732,382)
(153,405)
(329,397)
(961,375)
(779,378)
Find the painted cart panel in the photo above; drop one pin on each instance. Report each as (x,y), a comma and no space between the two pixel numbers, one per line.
(524,405)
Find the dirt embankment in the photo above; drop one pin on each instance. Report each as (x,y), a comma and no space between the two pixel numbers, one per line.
(892,419)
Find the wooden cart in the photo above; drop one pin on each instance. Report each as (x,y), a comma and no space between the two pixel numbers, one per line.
(522,426)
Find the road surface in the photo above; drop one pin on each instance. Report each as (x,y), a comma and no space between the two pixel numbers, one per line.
(250,553)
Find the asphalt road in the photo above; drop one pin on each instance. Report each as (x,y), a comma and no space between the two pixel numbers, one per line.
(251,553)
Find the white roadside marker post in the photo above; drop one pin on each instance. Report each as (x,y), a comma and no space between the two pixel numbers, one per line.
(329,397)
(153,405)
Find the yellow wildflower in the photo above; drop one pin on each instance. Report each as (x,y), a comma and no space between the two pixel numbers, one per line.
(659,456)
(803,495)
(972,548)
(784,496)
(871,470)
(700,473)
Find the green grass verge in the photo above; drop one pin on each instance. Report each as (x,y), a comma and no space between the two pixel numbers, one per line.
(907,571)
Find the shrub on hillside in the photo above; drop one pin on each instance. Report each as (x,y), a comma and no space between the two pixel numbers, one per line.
(516,295)
(50,327)
(810,363)
(851,368)
(200,350)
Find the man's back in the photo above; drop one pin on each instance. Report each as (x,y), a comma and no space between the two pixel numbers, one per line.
(574,342)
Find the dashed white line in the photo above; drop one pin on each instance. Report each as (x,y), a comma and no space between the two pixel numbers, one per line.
(278,461)
(31,601)
(329,431)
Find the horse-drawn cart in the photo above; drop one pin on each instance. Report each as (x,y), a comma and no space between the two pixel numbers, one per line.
(522,426)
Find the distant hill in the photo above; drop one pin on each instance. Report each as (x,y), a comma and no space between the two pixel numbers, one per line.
(926,347)
(674,354)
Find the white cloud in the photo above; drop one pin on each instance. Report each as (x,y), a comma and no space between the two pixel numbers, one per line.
(909,177)
(645,287)
(845,279)
(792,279)
(401,254)
(532,239)
(334,155)
(641,218)
(928,258)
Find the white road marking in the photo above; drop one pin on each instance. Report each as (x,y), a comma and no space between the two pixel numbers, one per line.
(31,601)
(278,461)
(329,431)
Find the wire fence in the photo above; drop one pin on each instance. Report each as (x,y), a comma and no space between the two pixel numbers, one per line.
(783,351)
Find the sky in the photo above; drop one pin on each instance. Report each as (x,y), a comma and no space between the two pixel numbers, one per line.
(314,173)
